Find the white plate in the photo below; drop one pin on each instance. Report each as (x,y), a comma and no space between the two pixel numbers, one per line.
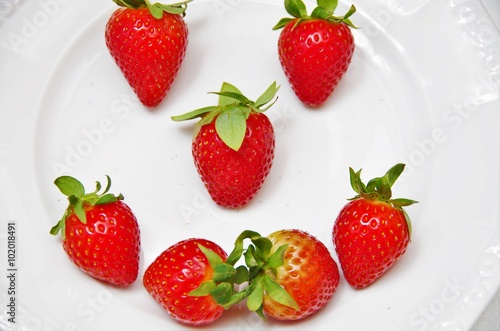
(422,89)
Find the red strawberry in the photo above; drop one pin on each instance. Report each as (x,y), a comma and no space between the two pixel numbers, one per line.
(148,43)
(233,146)
(315,51)
(372,231)
(100,233)
(192,282)
(291,274)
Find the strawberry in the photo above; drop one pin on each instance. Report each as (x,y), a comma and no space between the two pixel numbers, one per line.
(291,274)
(100,233)
(372,231)
(315,50)
(148,43)
(233,145)
(192,282)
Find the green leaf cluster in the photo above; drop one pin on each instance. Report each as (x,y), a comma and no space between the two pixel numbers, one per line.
(324,10)
(259,273)
(380,189)
(156,9)
(231,113)
(78,200)
(221,286)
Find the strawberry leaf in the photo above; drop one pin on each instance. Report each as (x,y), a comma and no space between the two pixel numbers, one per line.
(250,259)
(349,23)
(231,126)
(178,9)
(108,185)
(282,23)
(107,198)
(78,209)
(254,265)
(234,96)
(207,119)
(401,202)
(329,5)
(155,9)
(226,87)
(394,173)
(356,183)
(263,247)
(223,272)
(222,293)
(256,297)
(408,222)
(200,112)
(213,258)
(70,186)
(278,293)
(350,12)
(241,275)
(238,249)
(204,289)
(267,96)
(372,184)
(234,299)
(130,3)
(276,259)
(383,188)
(345,19)
(296,8)
(322,13)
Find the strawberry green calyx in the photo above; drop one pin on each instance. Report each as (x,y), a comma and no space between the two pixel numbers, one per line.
(78,199)
(231,113)
(324,10)
(379,189)
(261,263)
(259,272)
(221,286)
(156,9)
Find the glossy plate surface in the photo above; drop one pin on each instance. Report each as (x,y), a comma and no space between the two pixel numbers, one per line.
(422,89)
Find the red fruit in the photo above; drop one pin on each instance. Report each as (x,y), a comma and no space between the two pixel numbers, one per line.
(309,274)
(233,146)
(100,233)
(315,51)
(292,275)
(148,43)
(234,177)
(179,270)
(372,231)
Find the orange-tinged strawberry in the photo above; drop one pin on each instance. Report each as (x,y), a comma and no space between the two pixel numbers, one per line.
(309,274)
(292,275)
